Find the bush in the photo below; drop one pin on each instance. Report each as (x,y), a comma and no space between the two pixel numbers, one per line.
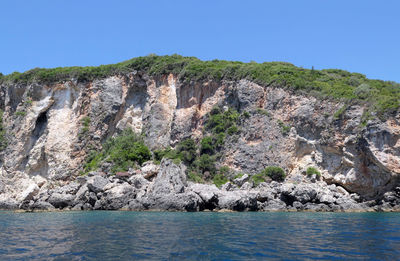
(86,124)
(275,173)
(262,112)
(258,178)
(207,145)
(363,91)
(20,113)
(187,149)
(195,177)
(246,114)
(311,171)
(284,128)
(333,83)
(206,163)
(338,114)
(219,180)
(124,151)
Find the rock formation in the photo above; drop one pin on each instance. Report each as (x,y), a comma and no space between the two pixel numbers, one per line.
(51,127)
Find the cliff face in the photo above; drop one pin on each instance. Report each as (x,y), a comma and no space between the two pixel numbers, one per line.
(51,128)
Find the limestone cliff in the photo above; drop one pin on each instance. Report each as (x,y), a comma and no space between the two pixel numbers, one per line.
(51,126)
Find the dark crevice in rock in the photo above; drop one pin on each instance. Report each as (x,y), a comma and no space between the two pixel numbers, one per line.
(40,128)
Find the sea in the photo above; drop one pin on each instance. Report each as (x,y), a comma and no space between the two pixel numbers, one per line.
(122,235)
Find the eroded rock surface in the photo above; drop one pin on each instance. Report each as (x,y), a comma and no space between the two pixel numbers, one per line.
(51,129)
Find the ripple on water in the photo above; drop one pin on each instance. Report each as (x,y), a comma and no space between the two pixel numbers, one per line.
(101,235)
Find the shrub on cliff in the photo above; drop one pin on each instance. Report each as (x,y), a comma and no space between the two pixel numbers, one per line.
(187,149)
(311,171)
(275,173)
(124,151)
(330,83)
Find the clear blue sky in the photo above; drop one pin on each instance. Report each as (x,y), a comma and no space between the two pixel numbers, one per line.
(358,35)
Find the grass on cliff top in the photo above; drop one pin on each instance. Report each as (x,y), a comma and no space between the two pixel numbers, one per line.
(381,96)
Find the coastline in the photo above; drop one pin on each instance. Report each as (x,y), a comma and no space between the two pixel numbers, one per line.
(169,190)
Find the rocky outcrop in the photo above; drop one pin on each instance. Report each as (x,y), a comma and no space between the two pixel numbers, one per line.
(51,128)
(170,191)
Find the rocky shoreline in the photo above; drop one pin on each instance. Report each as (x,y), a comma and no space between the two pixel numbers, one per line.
(164,187)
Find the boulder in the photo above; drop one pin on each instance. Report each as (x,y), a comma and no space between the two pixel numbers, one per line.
(208,194)
(188,201)
(61,200)
(42,205)
(265,195)
(31,191)
(115,198)
(240,181)
(149,169)
(227,186)
(8,204)
(246,186)
(304,193)
(326,198)
(138,181)
(170,179)
(96,183)
(238,201)
(274,205)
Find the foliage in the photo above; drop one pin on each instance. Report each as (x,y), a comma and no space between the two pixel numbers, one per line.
(330,83)
(187,150)
(219,123)
(340,112)
(239,175)
(275,173)
(262,112)
(20,113)
(85,123)
(206,163)
(124,151)
(312,171)
(246,114)
(219,180)
(284,128)
(258,178)
(195,177)
(207,145)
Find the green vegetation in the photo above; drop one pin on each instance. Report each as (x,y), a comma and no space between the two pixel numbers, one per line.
(124,151)
(340,112)
(86,124)
(3,140)
(219,124)
(195,177)
(273,172)
(262,112)
(20,113)
(258,178)
(219,180)
(246,114)
(284,128)
(311,171)
(380,96)
(239,175)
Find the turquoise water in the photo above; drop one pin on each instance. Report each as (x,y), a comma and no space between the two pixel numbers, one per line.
(106,235)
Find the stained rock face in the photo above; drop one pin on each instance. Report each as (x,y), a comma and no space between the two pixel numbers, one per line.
(52,127)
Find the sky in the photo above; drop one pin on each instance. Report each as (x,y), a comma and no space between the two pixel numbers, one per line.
(359,35)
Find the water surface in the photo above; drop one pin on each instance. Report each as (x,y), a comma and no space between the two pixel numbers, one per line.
(102,235)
